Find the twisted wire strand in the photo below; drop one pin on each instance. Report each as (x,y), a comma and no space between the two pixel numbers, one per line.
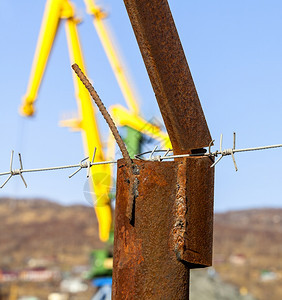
(133,169)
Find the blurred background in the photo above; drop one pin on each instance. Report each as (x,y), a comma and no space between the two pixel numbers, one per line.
(234,52)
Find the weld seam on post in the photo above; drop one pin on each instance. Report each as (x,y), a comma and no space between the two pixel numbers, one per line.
(104,112)
(180,209)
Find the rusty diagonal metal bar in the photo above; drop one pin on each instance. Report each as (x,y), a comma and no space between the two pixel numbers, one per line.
(169,73)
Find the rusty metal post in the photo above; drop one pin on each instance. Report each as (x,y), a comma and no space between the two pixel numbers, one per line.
(171,227)
(145,264)
(170,232)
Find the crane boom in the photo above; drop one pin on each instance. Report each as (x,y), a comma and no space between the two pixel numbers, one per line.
(101,178)
(121,115)
(56,10)
(49,26)
(124,117)
(112,54)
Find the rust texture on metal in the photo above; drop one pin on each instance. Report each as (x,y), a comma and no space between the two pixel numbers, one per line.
(170,227)
(103,111)
(134,183)
(169,73)
(193,212)
(133,170)
(145,264)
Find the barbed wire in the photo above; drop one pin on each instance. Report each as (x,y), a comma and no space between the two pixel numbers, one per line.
(84,163)
(152,156)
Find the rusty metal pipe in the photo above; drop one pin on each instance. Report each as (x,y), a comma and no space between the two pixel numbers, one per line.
(169,73)
(145,264)
(171,230)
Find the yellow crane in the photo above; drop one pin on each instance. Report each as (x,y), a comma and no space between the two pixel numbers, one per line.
(55,11)
(122,116)
(104,34)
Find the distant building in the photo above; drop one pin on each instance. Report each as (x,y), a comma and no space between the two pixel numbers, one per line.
(8,276)
(58,296)
(39,275)
(35,275)
(266,276)
(40,262)
(73,285)
(237,259)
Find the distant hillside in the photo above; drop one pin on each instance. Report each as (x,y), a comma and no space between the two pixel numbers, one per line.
(248,250)
(247,244)
(40,228)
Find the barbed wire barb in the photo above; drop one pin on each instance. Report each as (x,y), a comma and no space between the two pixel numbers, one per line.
(225,152)
(14,172)
(86,163)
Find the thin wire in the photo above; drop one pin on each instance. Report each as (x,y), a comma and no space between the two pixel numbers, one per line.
(224,152)
(86,163)
(257,148)
(60,167)
(164,157)
(211,154)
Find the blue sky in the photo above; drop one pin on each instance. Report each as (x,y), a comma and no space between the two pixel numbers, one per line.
(234,50)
